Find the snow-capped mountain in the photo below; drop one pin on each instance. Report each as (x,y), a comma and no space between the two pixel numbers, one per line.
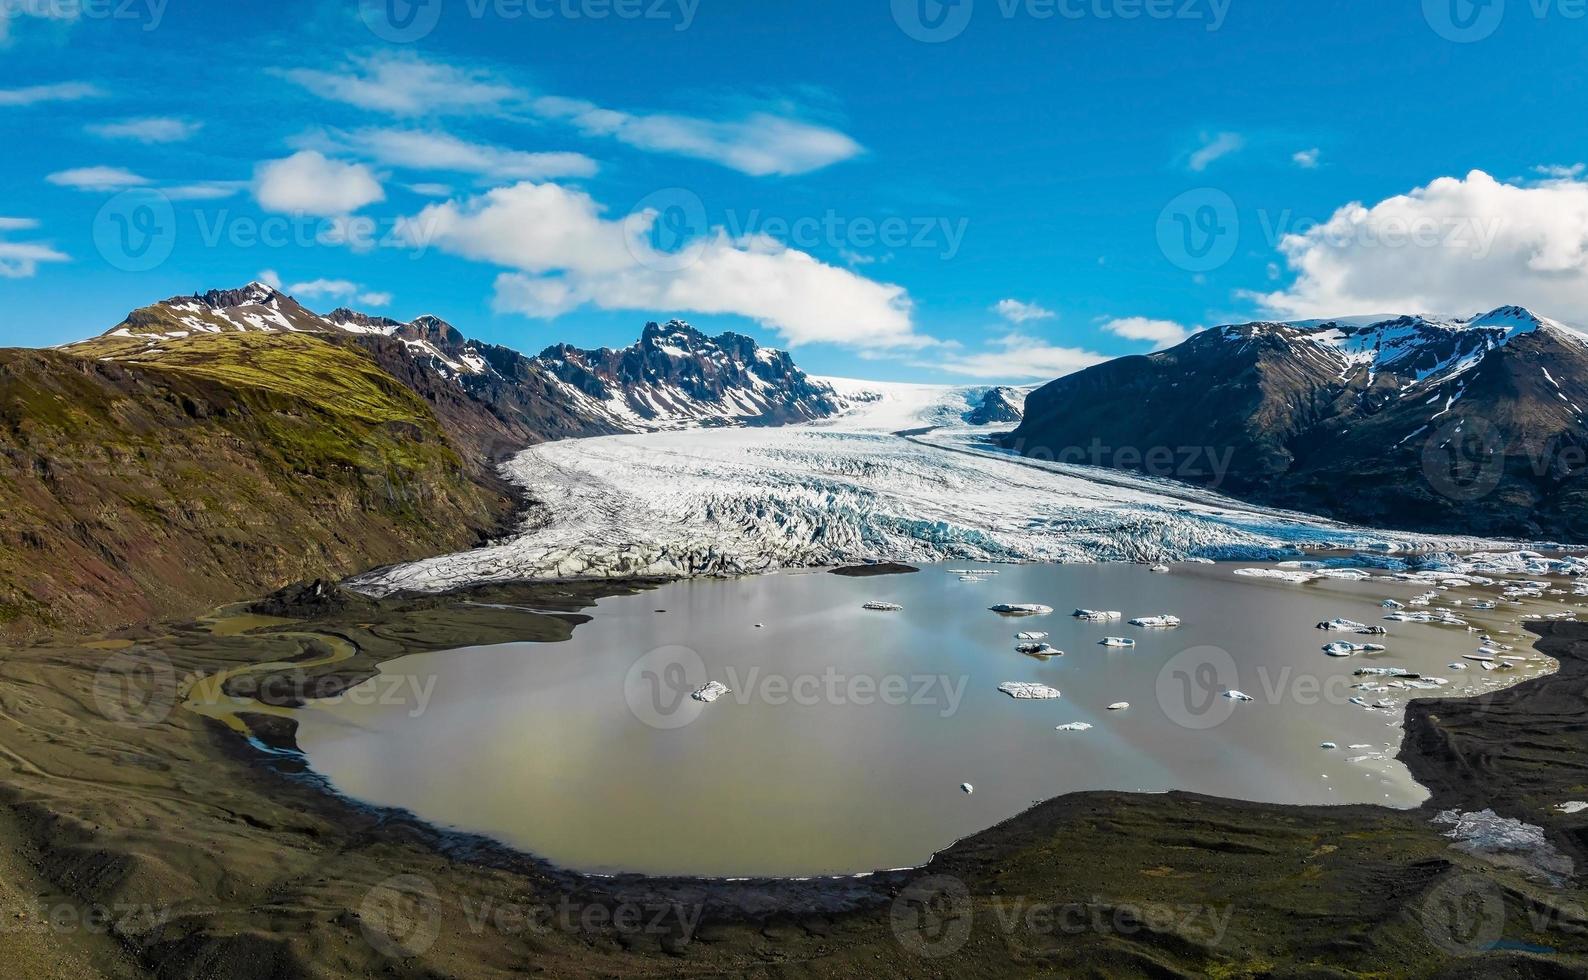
(674,377)
(677,377)
(1469,424)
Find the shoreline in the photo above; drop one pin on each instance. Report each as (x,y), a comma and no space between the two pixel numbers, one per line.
(731,917)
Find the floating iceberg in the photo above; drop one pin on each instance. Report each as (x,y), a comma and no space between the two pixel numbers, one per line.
(1392,604)
(1351,626)
(1160,569)
(1293,577)
(883,606)
(1238,696)
(1157,622)
(1021,609)
(1328,745)
(1074,726)
(1038,650)
(710,692)
(1027,691)
(1031,636)
(1119,706)
(967,788)
(1097,615)
(1118,641)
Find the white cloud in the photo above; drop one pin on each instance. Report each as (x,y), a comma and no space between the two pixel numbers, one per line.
(97,179)
(1017,356)
(1557,171)
(150,129)
(406,85)
(204,190)
(20,260)
(58,92)
(271,278)
(340,290)
(760,144)
(565,255)
(430,189)
(1458,245)
(1015,311)
(432,150)
(309,183)
(1160,333)
(1214,148)
(1307,159)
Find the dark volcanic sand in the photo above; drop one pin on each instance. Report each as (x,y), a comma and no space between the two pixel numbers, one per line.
(256,871)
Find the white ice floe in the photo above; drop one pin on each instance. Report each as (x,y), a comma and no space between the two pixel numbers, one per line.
(1119,706)
(1575,806)
(1328,745)
(1038,650)
(1074,726)
(1031,636)
(1282,575)
(1021,609)
(1027,691)
(1098,615)
(883,606)
(743,501)
(710,691)
(1392,604)
(1238,696)
(1118,641)
(967,788)
(1342,649)
(1157,622)
(1160,569)
(1348,626)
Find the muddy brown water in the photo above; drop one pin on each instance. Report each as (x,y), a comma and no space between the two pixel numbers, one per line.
(846,734)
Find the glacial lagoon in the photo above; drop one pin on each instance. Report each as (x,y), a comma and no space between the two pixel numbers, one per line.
(846,734)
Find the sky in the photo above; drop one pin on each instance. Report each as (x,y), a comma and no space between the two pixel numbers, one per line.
(977,191)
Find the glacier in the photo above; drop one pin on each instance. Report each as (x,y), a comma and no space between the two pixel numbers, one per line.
(899,477)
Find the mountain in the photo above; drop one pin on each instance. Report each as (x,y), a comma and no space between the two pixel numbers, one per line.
(677,377)
(220,445)
(164,483)
(674,377)
(999,406)
(1469,425)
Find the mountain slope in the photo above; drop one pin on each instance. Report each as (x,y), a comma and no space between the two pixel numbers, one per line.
(1468,426)
(163,483)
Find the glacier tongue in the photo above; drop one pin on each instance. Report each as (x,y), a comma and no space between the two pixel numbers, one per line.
(742,501)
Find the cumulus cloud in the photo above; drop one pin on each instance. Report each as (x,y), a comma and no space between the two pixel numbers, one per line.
(20,260)
(1459,245)
(760,144)
(1016,356)
(97,179)
(565,253)
(1215,147)
(1016,311)
(1160,333)
(340,290)
(405,85)
(1307,159)
(57,92)
(433,150)
(149,129)
(309,183)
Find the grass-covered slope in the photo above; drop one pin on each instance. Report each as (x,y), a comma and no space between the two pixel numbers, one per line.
(138,483)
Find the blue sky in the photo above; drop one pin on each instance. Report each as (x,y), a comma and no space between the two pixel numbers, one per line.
(896,189)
